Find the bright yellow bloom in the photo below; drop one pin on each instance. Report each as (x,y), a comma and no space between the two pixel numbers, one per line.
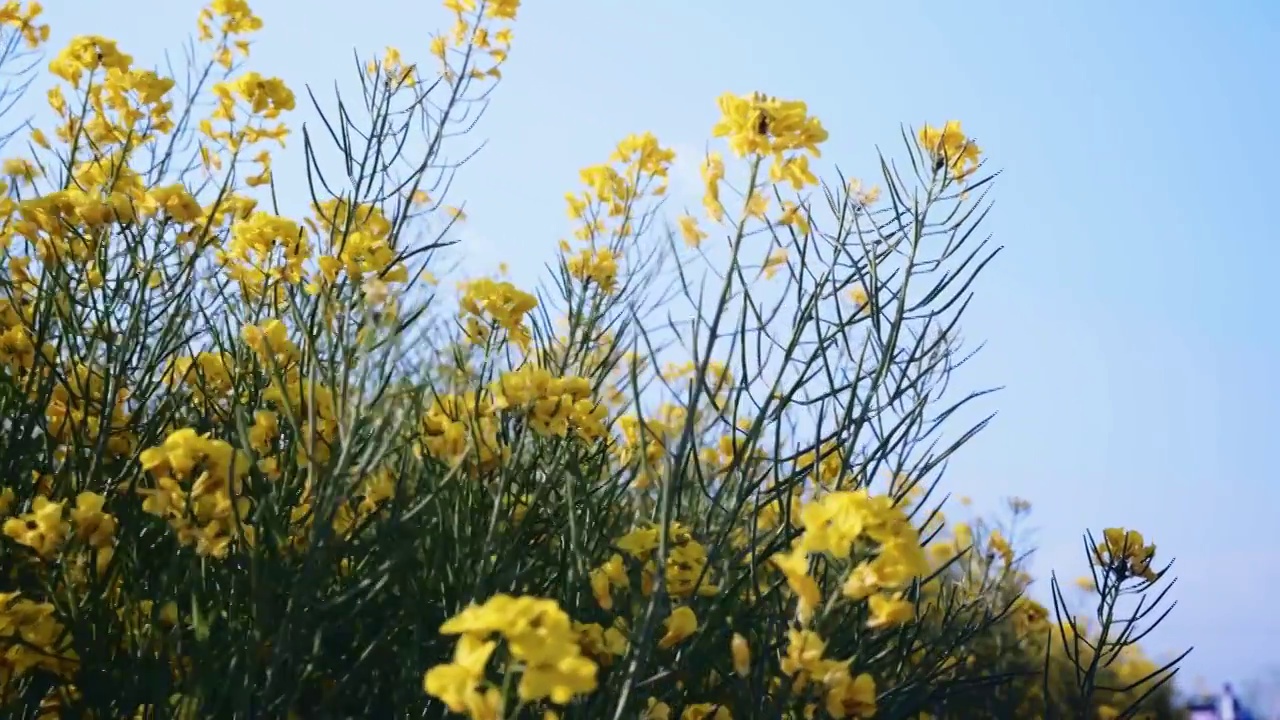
(795,567)
(951,149)
(538,635)
(43,529)
(93,525)
(681,624)
(889,610)
(459,684)
(490,303)
(760,125)
(198,487)
(598,266)
(1124,551)
(833,522)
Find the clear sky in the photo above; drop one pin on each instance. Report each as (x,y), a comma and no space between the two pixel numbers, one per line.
(1129,316)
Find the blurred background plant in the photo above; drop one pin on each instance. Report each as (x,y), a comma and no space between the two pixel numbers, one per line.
(260,464)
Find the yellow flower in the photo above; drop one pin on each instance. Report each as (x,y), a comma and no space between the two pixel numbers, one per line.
(265,428)
(197,486)
(459,684)
(741,653)
(848,696)
(539,636)
(794,170)
(175,203)
(861,583)
(951,149)
(858,296)
(24,21)
(502,9)
(601,644)
(21,169)
(600,588)
(1124,552)
(42,641)
(997,544)
(689,230)
(834,521)
(712,175)
(559,680)
(599,266)
(42,529)
(795,215)
(889,610)
(439,47)
(795,567)
(861,197)
(804,658)
(486,303)
(645,155)
(94,526)
(760,125)
(680,625)
(776,259)
(88,53)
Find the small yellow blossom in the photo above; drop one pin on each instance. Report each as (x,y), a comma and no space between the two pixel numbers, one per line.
(741,653)
(889,611)
(680,625)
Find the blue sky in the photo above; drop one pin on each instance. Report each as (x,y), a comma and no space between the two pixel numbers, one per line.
(1131,316)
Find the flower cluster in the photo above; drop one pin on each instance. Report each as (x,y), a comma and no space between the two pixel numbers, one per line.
(13,15)
(480,30)
(1126,553)
(43,529)
(33,637)
(198,490)
(539,642)
(488,304)
(81,405)
(359,241)
(845,695)
(686,572)
(598,266)
(553,405)
(264,249)
(642,445)
(951,149)
(835,524)
(760,125)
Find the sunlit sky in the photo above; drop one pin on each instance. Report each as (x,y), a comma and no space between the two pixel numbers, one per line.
(1130,317)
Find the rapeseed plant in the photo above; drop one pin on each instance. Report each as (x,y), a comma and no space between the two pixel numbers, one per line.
(257,463)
